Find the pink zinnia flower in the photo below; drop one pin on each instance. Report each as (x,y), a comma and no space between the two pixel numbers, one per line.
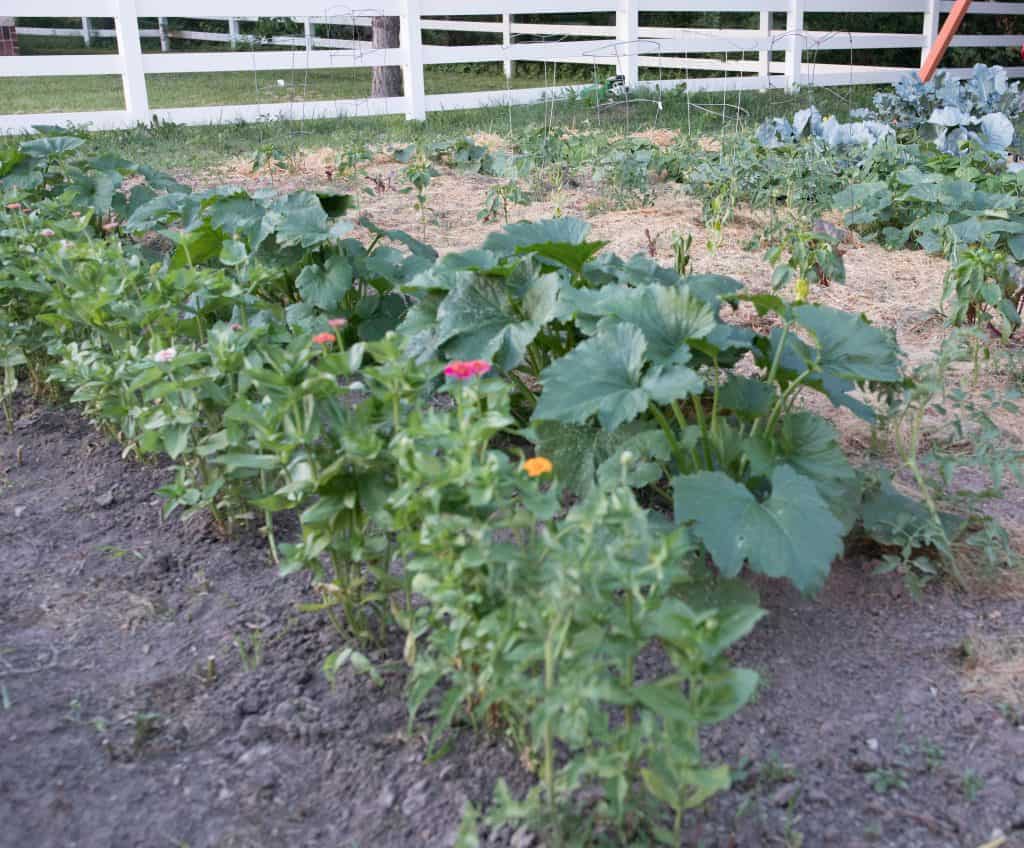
(467,369)
(236,327)
(323,338)
(76,214)
(14,207)
(47,233)
(110,226)
(337,323)
(165,355)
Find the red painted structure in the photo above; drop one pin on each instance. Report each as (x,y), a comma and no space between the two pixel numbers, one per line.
(941,45)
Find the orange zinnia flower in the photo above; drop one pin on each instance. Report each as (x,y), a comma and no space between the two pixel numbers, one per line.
(324,338)
(538,465)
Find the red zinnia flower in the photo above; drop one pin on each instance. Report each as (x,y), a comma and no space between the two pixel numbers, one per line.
(467,369)
(323,338)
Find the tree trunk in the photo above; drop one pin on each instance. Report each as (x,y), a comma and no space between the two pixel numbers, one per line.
(387,79)
(8,37)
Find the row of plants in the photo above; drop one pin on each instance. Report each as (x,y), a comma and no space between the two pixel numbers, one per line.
(527,480)
(528,616)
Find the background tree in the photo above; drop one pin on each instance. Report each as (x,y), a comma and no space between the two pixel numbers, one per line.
(8,37)
(387,79)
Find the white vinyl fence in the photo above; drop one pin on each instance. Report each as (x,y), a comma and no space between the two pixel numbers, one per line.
(742,58)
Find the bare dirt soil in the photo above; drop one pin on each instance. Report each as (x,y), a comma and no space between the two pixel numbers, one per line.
(159,686)
(130,717)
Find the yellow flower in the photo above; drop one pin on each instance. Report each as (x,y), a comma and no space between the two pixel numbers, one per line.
(537,466)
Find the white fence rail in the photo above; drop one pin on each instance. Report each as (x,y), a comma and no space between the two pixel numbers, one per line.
(746,58)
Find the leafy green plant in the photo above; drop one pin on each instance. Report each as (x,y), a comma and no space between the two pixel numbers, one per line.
(953,112)
(537,625)
(983,285)
(347,163)
(500,199)
(272,157)
(625,174)
(949,519)
(419,173)
(810,256)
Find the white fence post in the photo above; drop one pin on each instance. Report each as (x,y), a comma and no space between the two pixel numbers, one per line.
(794,50)
(86,32)
(233,31)
(165,40)
(764,55)
(627,32)
(410,36)
(931,27)
(506,41)
(309,33)
(129,48)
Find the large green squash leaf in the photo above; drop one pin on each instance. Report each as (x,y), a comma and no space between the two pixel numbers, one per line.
(44,148)
(559,239)
(668,318)
(808,444)
(324,286)
(240,215)
(604,376)
(746,397)
(494,318)
(577,451)
(849,347)
(299,219)
(791,534)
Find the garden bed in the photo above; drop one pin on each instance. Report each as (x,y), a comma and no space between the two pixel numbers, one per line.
(501,520)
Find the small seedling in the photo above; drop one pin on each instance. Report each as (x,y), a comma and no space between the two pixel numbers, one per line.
(884,780)
(250,650)
(208,673)
(933,754)
(971,784)
(419,174)
(146,726)
(681,246)
(500,199)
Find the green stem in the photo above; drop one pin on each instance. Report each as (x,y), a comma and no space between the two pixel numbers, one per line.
(698,409)
(674,446)
(783,402)
(773,370)
(549,735)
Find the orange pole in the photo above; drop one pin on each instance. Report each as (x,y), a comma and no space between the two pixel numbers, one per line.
(941,45)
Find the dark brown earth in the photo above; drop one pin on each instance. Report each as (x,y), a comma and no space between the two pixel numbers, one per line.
(116,729)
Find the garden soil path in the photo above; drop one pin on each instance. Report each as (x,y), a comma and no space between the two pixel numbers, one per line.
(117,729)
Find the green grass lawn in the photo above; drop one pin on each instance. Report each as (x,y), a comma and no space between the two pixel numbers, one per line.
(94,93)
(21,95)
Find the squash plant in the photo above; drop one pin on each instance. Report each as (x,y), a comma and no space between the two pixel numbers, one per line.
(613,355)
